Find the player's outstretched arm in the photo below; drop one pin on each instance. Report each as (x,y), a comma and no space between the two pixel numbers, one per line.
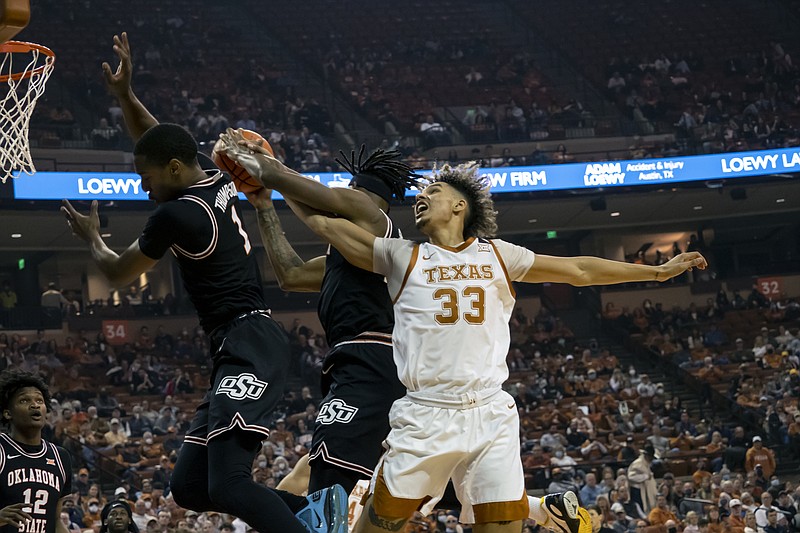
(137,118)
(292,272)
(583,271)
(347,203)
(355,243)
(119,269)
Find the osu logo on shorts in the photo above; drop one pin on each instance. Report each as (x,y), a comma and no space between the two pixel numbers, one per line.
(336,411)
(242,386)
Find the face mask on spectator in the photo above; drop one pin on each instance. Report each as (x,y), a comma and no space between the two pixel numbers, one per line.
(559,454)
(632,371)
(148,441)
(93,508)
(262,464)
(148,505)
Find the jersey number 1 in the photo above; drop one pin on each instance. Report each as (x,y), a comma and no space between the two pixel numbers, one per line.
(242,232)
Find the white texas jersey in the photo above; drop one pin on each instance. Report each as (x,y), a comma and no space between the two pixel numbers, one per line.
(451,311)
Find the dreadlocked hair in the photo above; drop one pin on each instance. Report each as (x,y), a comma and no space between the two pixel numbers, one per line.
(481,220)
(384,165)
(11,381)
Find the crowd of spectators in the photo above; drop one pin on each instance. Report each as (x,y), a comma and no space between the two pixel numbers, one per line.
(206,89)
(447,88)
(750,102)
(588,422)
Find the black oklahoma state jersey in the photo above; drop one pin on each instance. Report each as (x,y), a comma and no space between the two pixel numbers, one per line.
(35,475)
(204,229)
(353,300)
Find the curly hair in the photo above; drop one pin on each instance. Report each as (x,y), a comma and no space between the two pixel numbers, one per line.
(481,220)
(11,381)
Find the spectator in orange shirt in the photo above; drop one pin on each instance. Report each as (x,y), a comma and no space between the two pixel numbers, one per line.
(759,455)
(772,359)
(592,449)
(701,473)
(683,442)
(735,520)
(661,512)
(280,436)
(709,372)
(68,425)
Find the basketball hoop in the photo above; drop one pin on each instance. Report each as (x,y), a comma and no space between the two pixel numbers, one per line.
(23,88)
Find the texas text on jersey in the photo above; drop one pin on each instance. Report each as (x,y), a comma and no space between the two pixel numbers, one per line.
(35,475)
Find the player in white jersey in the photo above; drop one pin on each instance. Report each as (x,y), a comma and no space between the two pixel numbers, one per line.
(452,300)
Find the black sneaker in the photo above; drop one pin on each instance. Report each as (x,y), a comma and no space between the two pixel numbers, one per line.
(564,514)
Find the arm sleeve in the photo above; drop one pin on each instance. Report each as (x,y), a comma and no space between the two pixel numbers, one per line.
(518,260)
(158,234)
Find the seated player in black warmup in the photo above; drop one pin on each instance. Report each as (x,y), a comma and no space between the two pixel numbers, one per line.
(36,474)
(117,517)
(359,378)
(198,219)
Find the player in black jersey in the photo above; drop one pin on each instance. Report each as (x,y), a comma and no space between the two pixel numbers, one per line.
(36,474)
(359,378)
(198,220)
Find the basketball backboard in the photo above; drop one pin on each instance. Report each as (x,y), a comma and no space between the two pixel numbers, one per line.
(14,16)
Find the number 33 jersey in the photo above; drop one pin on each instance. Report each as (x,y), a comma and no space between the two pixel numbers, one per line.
(452,307)
(37,476)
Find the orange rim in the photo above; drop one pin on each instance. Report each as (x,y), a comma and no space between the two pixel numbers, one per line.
(20,47)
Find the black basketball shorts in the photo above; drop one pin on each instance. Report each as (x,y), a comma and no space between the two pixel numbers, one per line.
(251,360)
(353,419)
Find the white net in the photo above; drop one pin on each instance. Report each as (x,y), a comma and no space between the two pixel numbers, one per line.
(19,90)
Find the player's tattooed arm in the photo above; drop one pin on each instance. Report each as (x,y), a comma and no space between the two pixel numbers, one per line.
(354,205)
(291,271)
(387,524)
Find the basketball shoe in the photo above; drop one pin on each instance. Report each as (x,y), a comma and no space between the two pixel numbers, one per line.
(564,514)
(326,511)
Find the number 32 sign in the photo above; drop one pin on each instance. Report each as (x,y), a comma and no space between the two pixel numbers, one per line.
(770,287)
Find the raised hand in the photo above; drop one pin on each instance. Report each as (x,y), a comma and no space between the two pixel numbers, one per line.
(253,157)
(85,227)
(119,82)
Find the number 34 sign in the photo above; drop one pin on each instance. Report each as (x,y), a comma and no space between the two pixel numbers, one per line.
(770,287)
(116,331)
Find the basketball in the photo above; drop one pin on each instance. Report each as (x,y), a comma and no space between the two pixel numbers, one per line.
(244,182)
